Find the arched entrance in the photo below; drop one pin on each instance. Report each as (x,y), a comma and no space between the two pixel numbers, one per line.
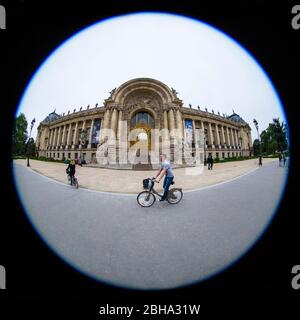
(142,122)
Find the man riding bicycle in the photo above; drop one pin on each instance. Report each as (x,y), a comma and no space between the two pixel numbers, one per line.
(165,170)
(71,170)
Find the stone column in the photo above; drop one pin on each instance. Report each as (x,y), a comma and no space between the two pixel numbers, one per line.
(179,122)
(50,138)
(236,138)
(58,138)
(171,120)
(194,130)
(54,138)
(106,119)
(114,120)
(202,125)
(228,138)
(223,136)
(63,141)
(232,138)
(75,136)
(91,134)
(217,135)
(119,123)
(210,137)
(166,126)
(69,136)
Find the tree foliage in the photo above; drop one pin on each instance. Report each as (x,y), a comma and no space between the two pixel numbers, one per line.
(19,136)
(274,138)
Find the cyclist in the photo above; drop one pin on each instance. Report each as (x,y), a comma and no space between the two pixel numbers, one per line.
(71,170)
(165,170)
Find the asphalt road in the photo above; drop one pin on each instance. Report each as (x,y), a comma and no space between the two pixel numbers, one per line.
(111,238)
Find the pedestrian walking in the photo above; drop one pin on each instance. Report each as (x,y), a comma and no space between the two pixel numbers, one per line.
(210,162)
(280,160)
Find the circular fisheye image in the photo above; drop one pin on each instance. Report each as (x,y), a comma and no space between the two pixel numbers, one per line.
(151,151)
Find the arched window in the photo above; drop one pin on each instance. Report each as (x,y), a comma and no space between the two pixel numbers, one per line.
(142,119)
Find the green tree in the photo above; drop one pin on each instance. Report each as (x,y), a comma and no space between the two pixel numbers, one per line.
(19,136)
(274,138)
(256,147)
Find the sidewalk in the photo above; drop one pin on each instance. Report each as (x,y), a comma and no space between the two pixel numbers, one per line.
(126,181)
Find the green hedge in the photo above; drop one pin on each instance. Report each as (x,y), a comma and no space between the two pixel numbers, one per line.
(239,158)
(48,159)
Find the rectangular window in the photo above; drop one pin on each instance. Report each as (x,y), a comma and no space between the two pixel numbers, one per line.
(76,155)
(69,155)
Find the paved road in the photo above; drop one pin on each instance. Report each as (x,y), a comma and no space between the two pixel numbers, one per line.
(111,238)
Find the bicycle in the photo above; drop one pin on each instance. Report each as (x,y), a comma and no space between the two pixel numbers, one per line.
(147,198)
(73,181)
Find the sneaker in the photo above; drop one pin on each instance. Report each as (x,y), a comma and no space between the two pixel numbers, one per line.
(162,199)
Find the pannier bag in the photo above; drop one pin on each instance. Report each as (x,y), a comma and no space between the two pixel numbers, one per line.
(146,184)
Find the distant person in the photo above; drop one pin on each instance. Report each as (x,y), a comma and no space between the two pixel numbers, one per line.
(166,171)
(260,160)
(280,159)
(71,170)
(284,160)
(210,162)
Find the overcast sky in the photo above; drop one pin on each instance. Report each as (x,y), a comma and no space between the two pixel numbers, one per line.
(205,66)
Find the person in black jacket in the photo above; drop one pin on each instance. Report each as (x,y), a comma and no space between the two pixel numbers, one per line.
(210,162)
(71,170)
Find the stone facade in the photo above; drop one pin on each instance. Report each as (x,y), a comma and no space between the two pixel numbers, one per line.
(154,105)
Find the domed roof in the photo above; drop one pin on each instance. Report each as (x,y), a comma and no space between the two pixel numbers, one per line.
(53,116)
(236,118)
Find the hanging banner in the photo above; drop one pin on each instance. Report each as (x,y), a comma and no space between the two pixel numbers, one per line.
(96,131)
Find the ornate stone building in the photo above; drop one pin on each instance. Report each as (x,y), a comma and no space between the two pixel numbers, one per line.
(144,104)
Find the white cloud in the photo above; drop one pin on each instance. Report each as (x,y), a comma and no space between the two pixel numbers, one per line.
(205,66)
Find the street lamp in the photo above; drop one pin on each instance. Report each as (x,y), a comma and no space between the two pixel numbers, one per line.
(256,126)
(27,144)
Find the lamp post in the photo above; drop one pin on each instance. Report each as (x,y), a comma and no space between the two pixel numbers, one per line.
(256,126)
(27,144)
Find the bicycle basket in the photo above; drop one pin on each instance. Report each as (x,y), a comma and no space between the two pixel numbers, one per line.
(146,184)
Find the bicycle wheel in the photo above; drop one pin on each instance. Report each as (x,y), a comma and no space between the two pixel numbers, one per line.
(145,199)
(175,195)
